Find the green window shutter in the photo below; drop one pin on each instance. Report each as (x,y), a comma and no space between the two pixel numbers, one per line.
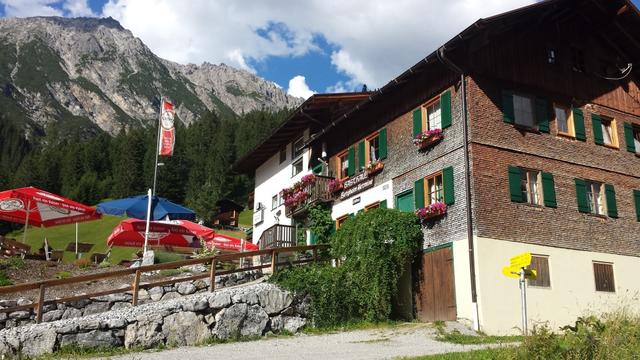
(581,196)
(383,204)
(508,115)
(445,109)
(578,123)
(636,196)
(447,183)
(317,169)
(628,137)
(361,154)
(418,193)
(417,121)
(515,187)
(382,139)
(610,193)
(549,190)
(542,115)
(313,238)
(351,158)
(596,124)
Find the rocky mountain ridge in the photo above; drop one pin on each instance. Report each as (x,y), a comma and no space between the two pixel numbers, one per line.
(94,74)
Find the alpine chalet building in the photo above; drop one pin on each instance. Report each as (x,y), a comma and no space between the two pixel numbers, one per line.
(520,134)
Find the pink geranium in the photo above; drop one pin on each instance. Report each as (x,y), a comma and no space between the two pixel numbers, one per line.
(429,211)
(426,135)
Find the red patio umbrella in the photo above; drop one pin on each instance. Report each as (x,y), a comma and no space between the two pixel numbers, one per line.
(33,206)
(183,233)
(224,242)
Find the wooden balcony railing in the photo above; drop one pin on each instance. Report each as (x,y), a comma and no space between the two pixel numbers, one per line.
(318,193)
(278,236)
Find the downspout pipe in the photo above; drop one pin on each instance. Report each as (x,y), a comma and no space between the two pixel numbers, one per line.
(467,180)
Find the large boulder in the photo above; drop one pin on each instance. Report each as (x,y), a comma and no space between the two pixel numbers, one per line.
(32,341)
(185,328)
(220,300)
(70,313)
(274,300)
(293,324)
(186,288)
(156,293)
(144,334)
(255,321)
(92,339)
(52,315)
(96,307)
(229,320)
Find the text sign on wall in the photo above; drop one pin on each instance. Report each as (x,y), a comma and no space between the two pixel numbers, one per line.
(356,184)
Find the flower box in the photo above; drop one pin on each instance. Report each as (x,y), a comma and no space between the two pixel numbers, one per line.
(432,211)
(428,138)
(298,193)
(375,167)
(336,185)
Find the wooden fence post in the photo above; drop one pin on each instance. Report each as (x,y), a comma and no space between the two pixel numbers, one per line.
(274,262)
(212,276)
(136,286)
(40,304)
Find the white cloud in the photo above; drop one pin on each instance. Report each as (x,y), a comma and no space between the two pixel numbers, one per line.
(298,87)
(76,8)
(374,43)
(24,8)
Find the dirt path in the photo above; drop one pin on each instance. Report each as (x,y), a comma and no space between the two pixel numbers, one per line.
(388,343)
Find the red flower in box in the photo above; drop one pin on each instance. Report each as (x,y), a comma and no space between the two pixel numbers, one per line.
(335,185)
(375,167)
(428,138)
(297,194)
(434,210)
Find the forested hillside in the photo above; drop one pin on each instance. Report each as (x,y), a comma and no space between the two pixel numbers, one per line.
(89,170)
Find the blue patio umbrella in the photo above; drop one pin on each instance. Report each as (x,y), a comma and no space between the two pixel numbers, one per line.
(136,207)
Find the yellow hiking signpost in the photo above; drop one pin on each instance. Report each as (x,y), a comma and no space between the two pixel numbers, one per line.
(517,269)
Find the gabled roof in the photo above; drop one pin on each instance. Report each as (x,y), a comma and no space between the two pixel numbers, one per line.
(318,110)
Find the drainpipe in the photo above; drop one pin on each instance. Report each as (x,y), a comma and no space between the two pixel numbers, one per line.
(467,181)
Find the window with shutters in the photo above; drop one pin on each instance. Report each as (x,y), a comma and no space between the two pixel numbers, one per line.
(595,197)
(564,120)
(343,165)
(523,110)
(297,167)
(274,202)
(296,148)
(434,191)
(531,186)
(372,152)
(540,263)
(609,133)
(603,274)
(433,116)
(341,220)
(636,138)
(375,205)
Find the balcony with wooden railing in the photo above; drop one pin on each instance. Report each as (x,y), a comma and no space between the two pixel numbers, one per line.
(317,191)
(278,236)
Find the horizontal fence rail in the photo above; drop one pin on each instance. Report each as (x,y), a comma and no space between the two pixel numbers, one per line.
(137,272)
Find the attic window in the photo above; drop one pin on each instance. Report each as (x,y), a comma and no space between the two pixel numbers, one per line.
(551,56)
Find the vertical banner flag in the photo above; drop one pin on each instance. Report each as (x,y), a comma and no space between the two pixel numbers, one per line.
(167,135)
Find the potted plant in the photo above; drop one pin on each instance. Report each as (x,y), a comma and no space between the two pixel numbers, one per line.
(375,167)
(432,211)
(335,185)
(428,138)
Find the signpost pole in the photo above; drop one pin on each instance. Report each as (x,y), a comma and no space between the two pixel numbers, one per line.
(523,296)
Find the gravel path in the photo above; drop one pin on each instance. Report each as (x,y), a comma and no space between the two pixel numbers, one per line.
(388,343)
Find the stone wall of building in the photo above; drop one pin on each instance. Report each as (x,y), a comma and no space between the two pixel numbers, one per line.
(247,311)
(80,308)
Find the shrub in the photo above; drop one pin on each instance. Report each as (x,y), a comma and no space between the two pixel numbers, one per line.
(4,279)
(12,263)
(374,247)
(104,264)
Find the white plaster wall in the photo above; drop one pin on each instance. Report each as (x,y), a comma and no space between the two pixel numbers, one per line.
(462,278)
(377,193)
(271,177)
(572,292)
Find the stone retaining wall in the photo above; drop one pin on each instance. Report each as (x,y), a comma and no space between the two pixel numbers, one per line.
(252,310)
(75,309)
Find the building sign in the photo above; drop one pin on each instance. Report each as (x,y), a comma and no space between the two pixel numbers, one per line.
(258,215)
(356,185)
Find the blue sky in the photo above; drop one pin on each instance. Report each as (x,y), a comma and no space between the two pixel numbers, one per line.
(303,46)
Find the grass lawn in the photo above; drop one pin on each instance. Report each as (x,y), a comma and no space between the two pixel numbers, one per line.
(486,354)
(246,218)
(93,232)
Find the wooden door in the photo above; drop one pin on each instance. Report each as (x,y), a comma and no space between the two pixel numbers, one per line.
(435,290)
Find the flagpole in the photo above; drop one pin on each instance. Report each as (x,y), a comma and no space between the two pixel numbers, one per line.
(155,167)
(26,223)
(146,231)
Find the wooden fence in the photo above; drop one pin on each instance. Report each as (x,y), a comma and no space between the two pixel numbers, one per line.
(137,272)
